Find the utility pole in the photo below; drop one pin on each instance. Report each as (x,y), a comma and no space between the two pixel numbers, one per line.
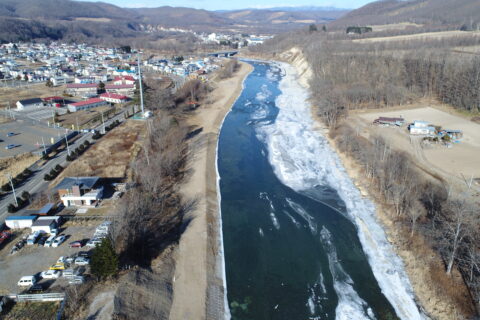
(44,148)
(66,140)
(13,189)
(76,119)
(140,82)
(103,122)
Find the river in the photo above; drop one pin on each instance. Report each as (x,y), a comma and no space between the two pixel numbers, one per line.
(300,242)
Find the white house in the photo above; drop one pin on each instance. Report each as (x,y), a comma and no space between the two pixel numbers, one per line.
(421,128)
(58,81)
(113,97)
(45,224)
(29,103)
(80,191)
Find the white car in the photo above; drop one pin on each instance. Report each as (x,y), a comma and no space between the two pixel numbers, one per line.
(76,280)
(81,261)
(27,281)
(93,242)
(49,241)
(58,241)
(50,274)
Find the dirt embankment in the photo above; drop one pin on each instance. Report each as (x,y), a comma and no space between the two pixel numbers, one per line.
(442,297)
(198,290)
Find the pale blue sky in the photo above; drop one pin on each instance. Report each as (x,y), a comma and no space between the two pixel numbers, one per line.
(227,5)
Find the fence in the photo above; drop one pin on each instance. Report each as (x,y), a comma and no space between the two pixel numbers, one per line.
(40,297)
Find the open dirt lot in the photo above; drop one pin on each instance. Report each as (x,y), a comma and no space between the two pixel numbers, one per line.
(33,259)
(459,161)
(111,155)
(420,36)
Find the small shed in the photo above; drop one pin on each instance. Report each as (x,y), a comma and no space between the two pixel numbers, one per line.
(20,222)
(44,226)
(46,209)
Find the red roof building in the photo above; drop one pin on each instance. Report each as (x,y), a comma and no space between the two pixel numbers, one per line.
(87,104)
(114,98)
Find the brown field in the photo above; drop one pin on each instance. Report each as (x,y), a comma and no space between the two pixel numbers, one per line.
(394,26)
(421,36)
(84,117)
(39,90)
(93,19)
(110,156)
(15,165)
(454,164)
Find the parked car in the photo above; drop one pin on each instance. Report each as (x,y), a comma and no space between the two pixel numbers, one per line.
(50,274)
(58,241)
(76,280)
(70,259)
(76,244)
(33,238)
(58,266)
(36,288)
(94,242)
(27,281)
(61,259)
(10,146)
(81,261)
(10,134)
(84,254)
(49,241)
(42,240)
(68,273)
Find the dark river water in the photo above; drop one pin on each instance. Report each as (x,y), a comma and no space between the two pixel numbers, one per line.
(288,254)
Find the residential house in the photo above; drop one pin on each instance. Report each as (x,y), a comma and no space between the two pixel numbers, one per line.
(124,80)
(29,103)
(123,89)
(83,89)
(114,98)
(80,191)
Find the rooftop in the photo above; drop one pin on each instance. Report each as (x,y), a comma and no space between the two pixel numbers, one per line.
(83,182)
(87,102)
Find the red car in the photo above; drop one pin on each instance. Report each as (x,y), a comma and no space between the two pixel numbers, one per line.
(76,244)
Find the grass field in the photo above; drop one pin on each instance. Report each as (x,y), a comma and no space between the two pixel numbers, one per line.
(39,90)
(110,157)
(85,118)
(422,36)
(15,165)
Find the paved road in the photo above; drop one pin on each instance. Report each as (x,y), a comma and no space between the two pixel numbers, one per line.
(36,182)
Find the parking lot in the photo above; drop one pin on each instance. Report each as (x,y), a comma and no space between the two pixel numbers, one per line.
(33,259)
(27,136)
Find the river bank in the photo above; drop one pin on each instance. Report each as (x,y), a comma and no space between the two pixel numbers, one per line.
(199,281)
(425,270)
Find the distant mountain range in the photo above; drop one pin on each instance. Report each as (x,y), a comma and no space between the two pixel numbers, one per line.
(77,20)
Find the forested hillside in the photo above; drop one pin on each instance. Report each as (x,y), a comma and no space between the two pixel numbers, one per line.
(454,13)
